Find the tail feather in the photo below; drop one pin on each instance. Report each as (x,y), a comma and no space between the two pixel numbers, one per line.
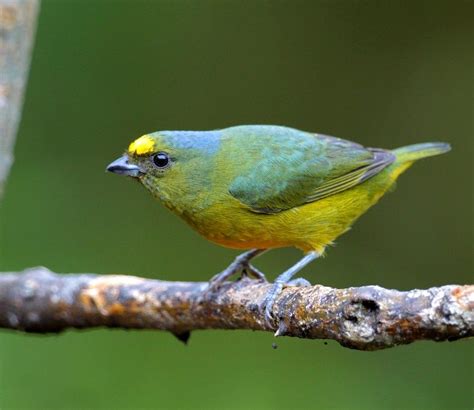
(414,152)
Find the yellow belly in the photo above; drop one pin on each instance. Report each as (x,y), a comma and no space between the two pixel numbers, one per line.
(309,227)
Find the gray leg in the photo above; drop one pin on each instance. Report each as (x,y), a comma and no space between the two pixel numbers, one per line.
(283,280)
(242,265)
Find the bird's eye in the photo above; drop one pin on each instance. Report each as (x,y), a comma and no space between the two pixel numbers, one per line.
(161,159)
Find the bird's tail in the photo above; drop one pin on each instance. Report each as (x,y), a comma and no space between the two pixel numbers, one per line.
(415,152)
(406,156)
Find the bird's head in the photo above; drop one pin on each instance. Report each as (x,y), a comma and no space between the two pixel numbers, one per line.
(169,164)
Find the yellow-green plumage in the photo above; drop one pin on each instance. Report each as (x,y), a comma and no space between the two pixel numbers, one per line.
(267,186)
(260,187)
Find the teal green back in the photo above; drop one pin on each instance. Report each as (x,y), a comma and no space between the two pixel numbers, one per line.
(278,168)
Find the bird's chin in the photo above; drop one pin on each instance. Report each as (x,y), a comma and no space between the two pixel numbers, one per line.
(146,180)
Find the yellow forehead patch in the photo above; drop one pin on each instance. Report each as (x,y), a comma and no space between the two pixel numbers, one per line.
(142,146)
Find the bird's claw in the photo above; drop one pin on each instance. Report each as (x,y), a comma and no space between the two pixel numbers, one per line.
(269,301)
(300,282)
(273,293)
(250,270)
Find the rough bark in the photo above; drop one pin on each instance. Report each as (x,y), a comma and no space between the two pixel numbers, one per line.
(17,29)
(364,318)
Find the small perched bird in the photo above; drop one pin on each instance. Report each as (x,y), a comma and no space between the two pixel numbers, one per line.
(259,187)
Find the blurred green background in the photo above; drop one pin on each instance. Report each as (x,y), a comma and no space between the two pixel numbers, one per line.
(383,73)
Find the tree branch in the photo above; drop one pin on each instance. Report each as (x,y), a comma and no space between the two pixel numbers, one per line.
(17,29)
(364,318)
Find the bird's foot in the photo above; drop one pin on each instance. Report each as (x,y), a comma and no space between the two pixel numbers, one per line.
(241,265)
(250,270)
(282,281)
(267,306)
(300,282)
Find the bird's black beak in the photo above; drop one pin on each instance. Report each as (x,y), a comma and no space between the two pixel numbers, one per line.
(121,167)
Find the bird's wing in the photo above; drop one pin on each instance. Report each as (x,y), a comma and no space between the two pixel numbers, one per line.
(283,177)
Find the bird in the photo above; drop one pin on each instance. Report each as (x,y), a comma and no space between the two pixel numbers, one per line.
(262,187)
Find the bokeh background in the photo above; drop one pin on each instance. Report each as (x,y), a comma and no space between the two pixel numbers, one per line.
(384,73)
